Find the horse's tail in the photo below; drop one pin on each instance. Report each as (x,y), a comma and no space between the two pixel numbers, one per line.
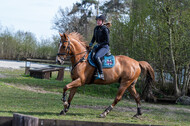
(148,72)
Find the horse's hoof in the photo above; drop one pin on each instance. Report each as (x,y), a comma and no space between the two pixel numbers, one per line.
(66,110)
(102,115)
(62,113)
(137,115)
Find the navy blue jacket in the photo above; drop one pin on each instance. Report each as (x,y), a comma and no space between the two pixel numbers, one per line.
(101,35)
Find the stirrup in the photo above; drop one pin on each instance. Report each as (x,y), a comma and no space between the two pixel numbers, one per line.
(96,74)
(100,76)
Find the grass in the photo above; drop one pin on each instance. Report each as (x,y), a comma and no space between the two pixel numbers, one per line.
(17,77)
(48,105)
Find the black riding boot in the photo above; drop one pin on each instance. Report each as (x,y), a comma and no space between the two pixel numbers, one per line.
(99,66)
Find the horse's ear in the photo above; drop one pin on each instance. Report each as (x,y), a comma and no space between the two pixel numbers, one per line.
(60,34)
(65,36)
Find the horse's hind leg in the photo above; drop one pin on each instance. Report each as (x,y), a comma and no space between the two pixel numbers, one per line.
(136,96)
(121,91)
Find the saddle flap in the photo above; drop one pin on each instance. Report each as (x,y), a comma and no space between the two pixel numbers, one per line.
(107,61)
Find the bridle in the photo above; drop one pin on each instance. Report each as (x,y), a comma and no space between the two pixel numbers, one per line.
(68,49)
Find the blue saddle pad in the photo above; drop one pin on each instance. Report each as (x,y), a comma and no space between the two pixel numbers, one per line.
(107,62)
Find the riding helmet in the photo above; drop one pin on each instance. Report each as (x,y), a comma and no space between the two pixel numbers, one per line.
(101,17)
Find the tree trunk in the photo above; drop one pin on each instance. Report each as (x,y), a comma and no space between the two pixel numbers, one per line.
(177,91)
(2,55)
(186,79)
(188,92)
(162,77)
(188,83)
(161,69)
(97,8)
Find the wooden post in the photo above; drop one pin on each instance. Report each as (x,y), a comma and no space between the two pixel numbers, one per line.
(24,120)
(30,121)
(6,121)
(18,120)
(27,67)
(47,75)
(27,70)
(60,75)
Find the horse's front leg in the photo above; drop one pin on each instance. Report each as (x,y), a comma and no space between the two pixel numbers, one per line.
(73,86)
(71,95)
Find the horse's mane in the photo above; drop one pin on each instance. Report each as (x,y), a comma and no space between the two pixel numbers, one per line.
(78,37)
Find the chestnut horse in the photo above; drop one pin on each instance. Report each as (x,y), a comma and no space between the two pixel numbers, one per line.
(126,71)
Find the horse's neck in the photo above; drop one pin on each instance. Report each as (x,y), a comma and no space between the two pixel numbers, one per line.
(77,49)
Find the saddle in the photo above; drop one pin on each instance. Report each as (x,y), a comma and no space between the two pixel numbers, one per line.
(108,61)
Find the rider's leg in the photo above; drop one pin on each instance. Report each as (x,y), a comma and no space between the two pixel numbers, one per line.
(99,67)
(99,54)
(94,50)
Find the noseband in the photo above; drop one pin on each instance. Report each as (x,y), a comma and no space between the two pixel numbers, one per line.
(68,48)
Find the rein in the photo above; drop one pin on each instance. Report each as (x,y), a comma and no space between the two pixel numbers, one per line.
(81,60)
(68,50)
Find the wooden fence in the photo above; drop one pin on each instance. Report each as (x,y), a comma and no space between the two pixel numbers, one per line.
(67,62)
(25,120)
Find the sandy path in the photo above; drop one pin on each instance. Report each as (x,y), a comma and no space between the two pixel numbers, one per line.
(17,64)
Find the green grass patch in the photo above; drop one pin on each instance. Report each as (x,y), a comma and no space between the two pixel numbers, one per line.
(17,77)
(48,105)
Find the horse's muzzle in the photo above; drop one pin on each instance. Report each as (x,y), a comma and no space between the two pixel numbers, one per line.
(60,60)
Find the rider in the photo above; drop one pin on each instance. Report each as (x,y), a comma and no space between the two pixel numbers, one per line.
(101,36)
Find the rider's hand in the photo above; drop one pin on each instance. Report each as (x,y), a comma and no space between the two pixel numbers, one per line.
(89,49)
(91,44)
